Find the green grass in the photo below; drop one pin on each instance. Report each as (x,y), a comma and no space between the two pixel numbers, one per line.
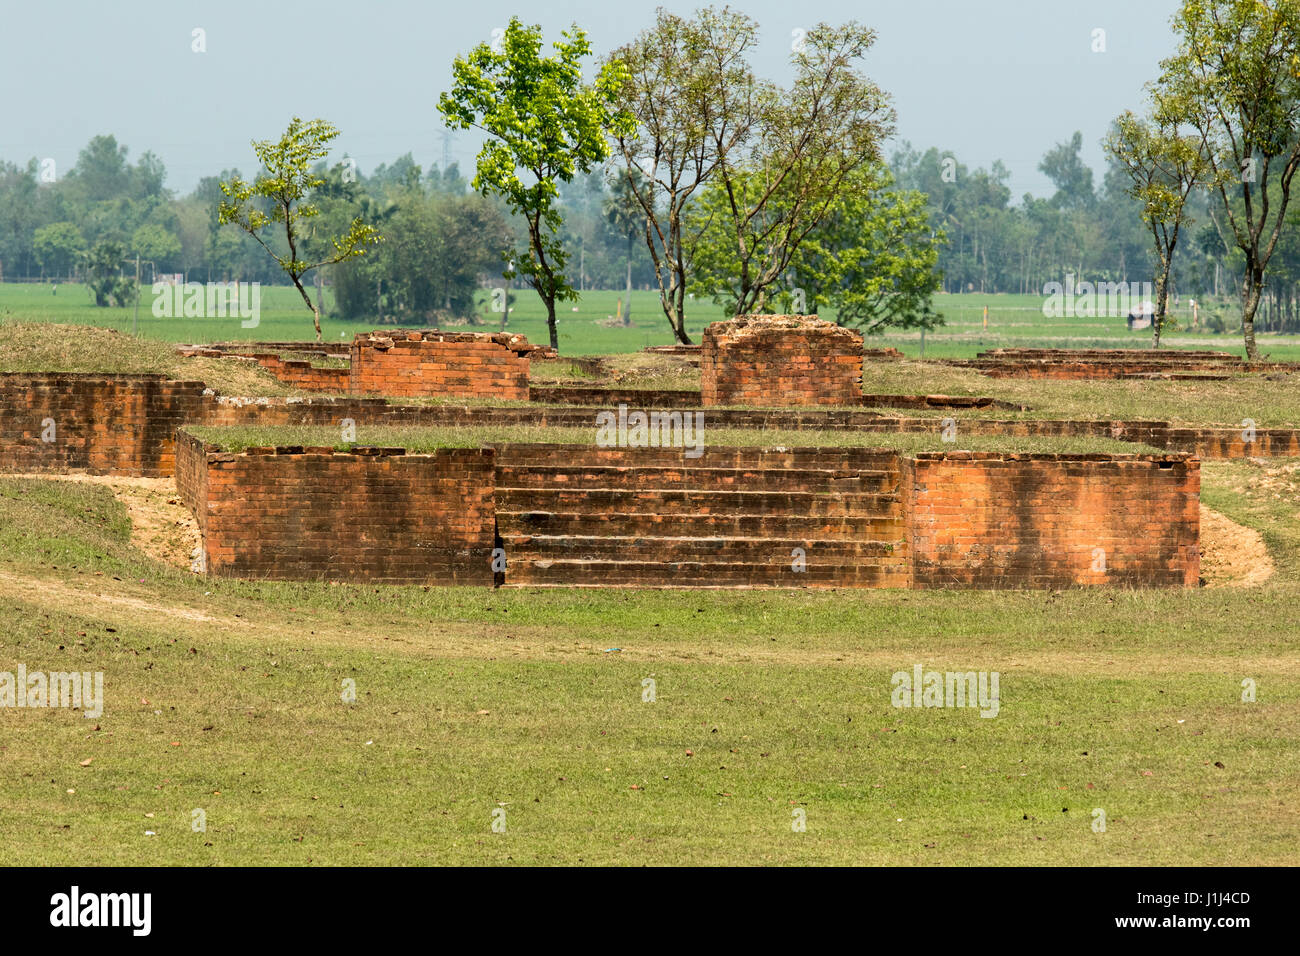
(1271,400)
(225,696)
(1014,321)
(238,438)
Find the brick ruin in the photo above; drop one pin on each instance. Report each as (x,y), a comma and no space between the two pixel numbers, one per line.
(402,363)
(780,360)
(1080,364)
(580,514)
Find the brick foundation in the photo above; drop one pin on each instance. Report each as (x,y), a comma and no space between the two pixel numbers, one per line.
(311,514)
(776,360)
(1049,521)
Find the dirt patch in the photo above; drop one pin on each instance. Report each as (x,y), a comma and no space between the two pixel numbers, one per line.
(161,526)
(1232,555)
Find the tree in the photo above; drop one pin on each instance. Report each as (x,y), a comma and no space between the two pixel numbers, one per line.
(1235,80)
(692,95)
(770,193)
(58,247)
(104,275)
(283,187)
(1164,167)
(1069,174)
(541,119)
(156,244)
(874,257)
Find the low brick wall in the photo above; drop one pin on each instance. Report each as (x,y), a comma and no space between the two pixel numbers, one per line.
(462,364)
(775,360)
(302,374)
(102,424)
(297,514)
(1048,521)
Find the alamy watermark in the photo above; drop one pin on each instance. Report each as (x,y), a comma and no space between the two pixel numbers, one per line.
(74,689)
(1094,300)
(651,430)
(922,688)
(210,300)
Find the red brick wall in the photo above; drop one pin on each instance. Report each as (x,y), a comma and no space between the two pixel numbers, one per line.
(774,360)
(1033,521)
(104,424)
(467,365)
(310,514)
(304,375)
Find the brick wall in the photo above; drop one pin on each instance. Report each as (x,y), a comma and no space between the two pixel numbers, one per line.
(1035,521)
(310,514)
(461,364)
(302,374)
(103,424)
(774,360)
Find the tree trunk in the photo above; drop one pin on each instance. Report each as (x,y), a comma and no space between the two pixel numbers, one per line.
(315,313)
(1254,284)
(627,309)
(550,322)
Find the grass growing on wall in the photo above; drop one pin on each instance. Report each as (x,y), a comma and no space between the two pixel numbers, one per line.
(237,438)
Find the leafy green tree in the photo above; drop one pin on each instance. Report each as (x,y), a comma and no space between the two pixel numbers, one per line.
(279,199)
(1064,166)
(1164,167)
(104,277)
(544,121)
(874,258)
(694,100)
(58,247)
(156,244)
(1235,81)
(808,142)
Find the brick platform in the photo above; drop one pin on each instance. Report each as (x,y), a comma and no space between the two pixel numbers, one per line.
(585,516)
(778,360)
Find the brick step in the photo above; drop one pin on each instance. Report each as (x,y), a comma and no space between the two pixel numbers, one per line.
(881,527)
(660,550)
(676,502)
(696,574)
(686,476)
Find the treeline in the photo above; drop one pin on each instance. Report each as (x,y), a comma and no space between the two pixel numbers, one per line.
(442,241)
(1092,231)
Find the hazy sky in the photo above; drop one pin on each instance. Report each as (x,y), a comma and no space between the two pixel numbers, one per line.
(988,79)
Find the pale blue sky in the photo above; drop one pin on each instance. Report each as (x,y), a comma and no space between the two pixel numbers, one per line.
(1001,79)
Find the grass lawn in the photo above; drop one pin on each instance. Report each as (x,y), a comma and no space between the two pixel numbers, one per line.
(225,696)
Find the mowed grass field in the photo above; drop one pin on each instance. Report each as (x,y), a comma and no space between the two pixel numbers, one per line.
(587,327)
(528,706)
(227,697)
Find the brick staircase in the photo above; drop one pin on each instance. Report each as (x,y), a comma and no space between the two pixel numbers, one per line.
(572,515)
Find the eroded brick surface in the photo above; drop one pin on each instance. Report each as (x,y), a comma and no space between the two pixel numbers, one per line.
(774,360)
